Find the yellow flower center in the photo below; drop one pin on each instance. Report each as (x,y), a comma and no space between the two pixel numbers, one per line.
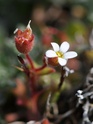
(59,54)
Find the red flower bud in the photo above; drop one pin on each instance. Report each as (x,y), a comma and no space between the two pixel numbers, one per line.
(24,40)
(52,61)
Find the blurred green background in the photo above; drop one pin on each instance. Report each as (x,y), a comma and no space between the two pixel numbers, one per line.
(74,19)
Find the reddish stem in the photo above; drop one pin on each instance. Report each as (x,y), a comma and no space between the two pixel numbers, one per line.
(61,78)
(31,77)
(30,61)
(32,82)
(40,68)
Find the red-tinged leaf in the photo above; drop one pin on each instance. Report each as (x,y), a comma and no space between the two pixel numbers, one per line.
(21,60)
(23,63)
(46,71)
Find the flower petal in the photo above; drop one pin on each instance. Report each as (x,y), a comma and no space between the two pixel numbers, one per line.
(55,46)
(64,47)
(50,54)
(70,55)
(62,62)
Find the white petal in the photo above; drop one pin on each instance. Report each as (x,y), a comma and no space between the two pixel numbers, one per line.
(55,46)
(70,55)
(50,54)
(62,62)
(28,26)
(15,30)
(64,47)
(31,122)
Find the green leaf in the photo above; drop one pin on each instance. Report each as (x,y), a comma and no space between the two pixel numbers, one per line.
(46,71)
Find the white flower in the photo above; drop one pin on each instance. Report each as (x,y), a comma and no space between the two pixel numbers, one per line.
(61,52)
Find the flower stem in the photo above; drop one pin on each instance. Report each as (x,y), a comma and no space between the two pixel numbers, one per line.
(30,61)
(31,77)
(61,78)
(42,67)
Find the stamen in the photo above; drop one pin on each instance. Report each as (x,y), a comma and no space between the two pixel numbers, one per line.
(59,54)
